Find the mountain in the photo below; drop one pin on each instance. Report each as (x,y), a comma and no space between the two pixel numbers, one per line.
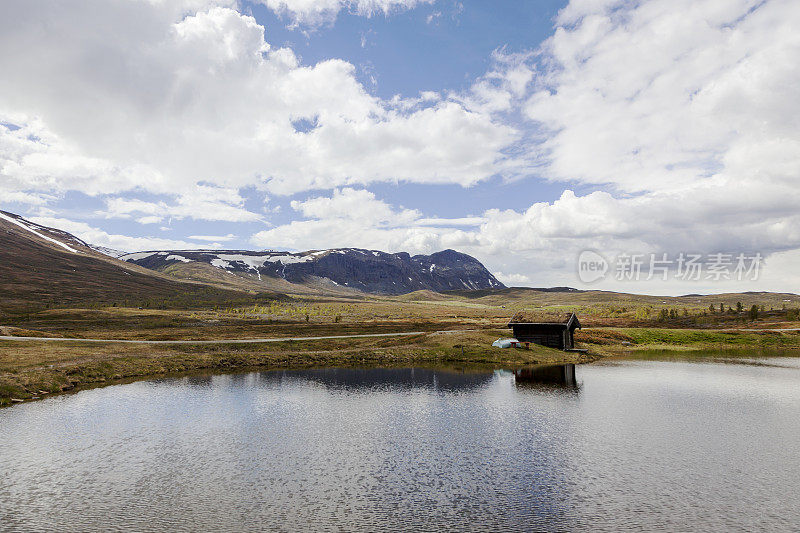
(37,232)
(41,266)
(111,252)
(354,268)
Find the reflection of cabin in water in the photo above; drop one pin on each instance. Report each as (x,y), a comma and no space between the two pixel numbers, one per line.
(548,329)
(561,375)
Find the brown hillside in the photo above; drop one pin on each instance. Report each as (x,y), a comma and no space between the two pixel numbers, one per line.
(36,273)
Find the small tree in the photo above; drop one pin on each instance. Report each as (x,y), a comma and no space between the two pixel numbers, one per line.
(711,308)
(721,308)
(739,307)
(754,312)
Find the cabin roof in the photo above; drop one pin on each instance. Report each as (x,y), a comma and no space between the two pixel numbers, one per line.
(544,317)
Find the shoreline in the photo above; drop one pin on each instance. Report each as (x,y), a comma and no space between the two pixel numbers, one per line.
(36,367)
(104,363)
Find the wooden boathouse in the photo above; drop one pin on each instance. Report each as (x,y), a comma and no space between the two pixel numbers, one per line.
(554,330)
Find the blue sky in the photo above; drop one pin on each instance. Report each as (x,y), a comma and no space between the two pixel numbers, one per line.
(521,132)
(408,54)
(439,47)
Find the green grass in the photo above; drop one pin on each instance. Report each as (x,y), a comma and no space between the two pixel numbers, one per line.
(605,339)
(28,367)
(690,337)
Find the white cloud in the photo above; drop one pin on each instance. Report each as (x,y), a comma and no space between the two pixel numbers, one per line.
(356,218)
(150,220)
(202,202)
(18,197)
(665,94)
(512,280)
(461,221)
(99,237)
(156,97)
(314,13)
(220,238)
(352,204)
(504,87)
(684,113)
(540,246)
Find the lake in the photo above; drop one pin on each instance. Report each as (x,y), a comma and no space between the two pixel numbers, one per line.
(622,444)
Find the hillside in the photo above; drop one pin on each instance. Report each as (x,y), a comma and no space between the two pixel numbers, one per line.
(351,268)
(568,297)
(42,267)
(200,272)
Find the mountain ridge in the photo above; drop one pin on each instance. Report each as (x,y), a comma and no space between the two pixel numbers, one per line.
(43,259)
(371,271)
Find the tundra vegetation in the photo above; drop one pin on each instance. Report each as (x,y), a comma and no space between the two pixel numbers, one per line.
(613,325)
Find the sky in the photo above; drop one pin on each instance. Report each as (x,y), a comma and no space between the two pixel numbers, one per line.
(552,140)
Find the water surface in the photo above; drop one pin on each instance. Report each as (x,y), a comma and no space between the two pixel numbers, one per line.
(627,444)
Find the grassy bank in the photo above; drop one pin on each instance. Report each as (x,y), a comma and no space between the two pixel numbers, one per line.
(34,369)
(613,341)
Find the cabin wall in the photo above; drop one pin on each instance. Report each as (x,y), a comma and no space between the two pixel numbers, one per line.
(552,336)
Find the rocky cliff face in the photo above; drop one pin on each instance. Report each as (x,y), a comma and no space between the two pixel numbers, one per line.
(366,270)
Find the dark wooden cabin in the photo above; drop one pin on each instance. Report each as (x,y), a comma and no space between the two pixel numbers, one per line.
(554,330)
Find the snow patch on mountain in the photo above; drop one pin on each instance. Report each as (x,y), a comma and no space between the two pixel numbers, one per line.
(175,257)
(367,270)
(111,252)
(29,226)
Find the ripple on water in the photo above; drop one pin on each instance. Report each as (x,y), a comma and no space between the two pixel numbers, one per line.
(635,445)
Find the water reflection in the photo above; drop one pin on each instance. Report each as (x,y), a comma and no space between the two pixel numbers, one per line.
(396,378)
(645,445)
(551,375)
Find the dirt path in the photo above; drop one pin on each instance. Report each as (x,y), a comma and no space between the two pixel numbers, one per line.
(224,341)
(755,330)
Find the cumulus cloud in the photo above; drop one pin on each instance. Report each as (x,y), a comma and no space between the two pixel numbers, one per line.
(352,204)
(357,218)
(512,280)
(213,238)
(123,243)
(202,202)
(663,94)
(683,111)
(193,93)
(540,245)
(313,13)
(679,117)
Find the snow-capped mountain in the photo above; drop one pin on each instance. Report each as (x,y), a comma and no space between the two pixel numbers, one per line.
(41,266)
(365,270)
(53,236)
(110,252)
